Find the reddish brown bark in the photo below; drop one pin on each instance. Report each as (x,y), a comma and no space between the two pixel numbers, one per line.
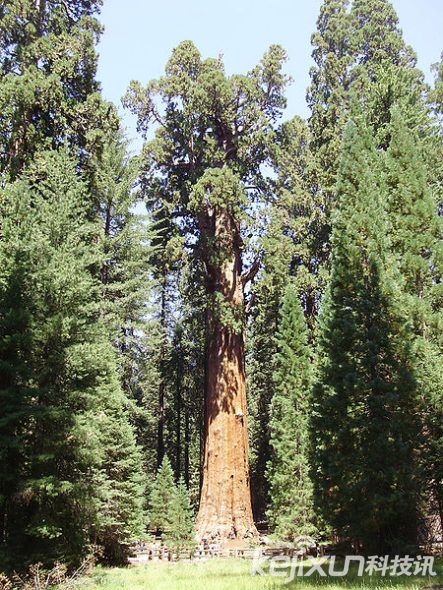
(225,502)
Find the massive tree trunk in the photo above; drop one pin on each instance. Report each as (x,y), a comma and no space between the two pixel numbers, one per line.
(225,502)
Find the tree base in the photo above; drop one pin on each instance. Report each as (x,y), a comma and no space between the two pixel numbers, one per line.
(225,532)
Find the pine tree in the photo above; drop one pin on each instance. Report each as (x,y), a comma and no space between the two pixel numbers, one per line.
(162,498)
(291,507)
(70,480)
(416,241)
(364,425)
(181,531)
(288,247)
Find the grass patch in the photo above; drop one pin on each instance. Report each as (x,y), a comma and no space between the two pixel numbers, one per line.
(234,574)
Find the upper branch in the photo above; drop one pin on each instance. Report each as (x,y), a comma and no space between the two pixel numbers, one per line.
(250,273)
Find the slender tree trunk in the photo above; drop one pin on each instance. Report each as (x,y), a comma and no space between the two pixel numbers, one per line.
(161,389)
(178,427)
(186,450)
(225,502)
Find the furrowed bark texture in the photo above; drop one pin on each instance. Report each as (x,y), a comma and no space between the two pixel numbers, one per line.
(225,502)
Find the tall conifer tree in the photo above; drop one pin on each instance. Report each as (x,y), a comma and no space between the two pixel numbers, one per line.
(328,100)
(364,426)
(204,163)
(291,503)
(416,237)
(71,479)
(288,244)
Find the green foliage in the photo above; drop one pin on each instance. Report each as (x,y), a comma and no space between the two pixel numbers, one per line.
(70,478)
(378,37)
(362,65)
(181,532)
(364,425)
(162,498)
(296,220)
(49,97)
(122,482)
(327,95)
(416,227)
(218,187)
(384,69)
(188,369)
(126,280)
(289,244)
(170,508)
(416,232)
(206,144)
(220,131)
(48,243)
(365,69)
(105,314)
(267,293)
(437,92)
(291,506)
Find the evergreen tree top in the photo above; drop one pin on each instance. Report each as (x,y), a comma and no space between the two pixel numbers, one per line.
(49,96)
(379,37)
(207,119)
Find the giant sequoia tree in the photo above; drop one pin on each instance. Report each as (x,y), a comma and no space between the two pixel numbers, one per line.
(204,166)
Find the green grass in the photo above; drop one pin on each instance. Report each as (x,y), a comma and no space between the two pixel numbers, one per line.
(234,574)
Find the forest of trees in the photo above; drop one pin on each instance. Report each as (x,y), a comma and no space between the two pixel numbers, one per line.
(242,322)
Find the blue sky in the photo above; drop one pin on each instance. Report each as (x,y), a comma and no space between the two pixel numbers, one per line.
(140,34)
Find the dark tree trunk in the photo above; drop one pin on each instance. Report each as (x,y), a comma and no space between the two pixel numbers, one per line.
(186,450)
(178,405)
(161,389)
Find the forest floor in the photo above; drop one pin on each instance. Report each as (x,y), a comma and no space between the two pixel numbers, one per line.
(235,574)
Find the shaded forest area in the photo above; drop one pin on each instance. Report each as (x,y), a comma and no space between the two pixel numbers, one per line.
(261,348)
